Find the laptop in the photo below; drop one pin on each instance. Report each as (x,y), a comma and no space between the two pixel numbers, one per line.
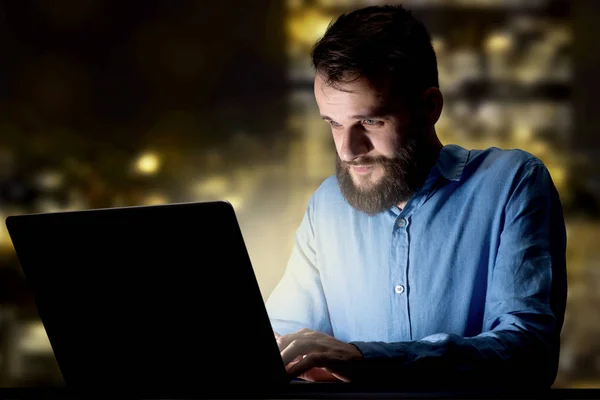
(149,298)
(159,301)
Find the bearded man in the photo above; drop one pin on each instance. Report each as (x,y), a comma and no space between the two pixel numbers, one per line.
(418,262)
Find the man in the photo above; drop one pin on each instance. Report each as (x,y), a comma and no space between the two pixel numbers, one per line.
(417,262)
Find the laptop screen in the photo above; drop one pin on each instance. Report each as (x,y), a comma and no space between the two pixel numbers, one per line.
(148,296)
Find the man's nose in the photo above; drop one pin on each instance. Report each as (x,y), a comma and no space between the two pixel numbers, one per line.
(355,143)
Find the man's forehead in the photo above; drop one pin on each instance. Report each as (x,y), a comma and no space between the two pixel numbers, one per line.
(362,96)
(360,91)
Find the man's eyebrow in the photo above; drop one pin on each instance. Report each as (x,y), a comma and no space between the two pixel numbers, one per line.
(375,115)
(369,116)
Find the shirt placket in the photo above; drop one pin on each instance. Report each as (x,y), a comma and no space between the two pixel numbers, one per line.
(398,285)
(400,256)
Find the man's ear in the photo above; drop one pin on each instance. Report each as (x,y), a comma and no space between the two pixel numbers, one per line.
(432,104)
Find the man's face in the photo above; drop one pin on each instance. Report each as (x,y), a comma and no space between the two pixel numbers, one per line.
(376,144)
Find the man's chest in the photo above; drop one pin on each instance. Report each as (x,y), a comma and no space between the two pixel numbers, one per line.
(408,275)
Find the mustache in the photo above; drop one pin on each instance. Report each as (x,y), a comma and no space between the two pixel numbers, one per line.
(365,162)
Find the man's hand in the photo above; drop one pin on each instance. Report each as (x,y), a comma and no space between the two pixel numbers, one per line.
(316,356)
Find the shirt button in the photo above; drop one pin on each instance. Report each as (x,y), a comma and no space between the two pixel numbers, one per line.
(399,289)
(401,222)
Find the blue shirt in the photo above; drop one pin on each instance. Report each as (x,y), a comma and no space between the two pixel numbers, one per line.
(469,275)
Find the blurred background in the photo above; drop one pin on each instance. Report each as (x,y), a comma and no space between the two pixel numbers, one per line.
(114,103)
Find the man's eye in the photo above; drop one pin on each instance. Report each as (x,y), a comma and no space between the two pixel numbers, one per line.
(370,122)
(334,124)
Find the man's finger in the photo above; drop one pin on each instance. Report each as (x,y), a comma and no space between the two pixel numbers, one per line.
(318,375)
(284,341)
(298,347)
(339,376)
(307,363)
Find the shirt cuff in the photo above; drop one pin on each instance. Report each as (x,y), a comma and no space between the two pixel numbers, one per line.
(371,350)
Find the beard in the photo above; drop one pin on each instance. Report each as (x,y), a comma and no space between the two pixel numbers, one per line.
(402,176)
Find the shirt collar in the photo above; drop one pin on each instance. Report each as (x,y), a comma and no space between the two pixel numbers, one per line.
(451,161)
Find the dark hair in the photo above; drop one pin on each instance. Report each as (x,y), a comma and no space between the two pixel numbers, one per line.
(384,44)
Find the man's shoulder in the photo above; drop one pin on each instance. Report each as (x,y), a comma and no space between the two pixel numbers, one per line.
(328,191)
(329,187)
(496,154)
(328,194)
(508,161)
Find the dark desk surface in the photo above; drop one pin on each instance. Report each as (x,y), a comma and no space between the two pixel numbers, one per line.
(64,393)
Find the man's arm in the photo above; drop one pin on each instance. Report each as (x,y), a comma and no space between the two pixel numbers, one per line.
(298,300)
(523,317)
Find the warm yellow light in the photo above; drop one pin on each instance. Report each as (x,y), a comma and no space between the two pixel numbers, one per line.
(522,133)
(5,240)
(498,43)
(156,199)
(236,201)
(438,43)
(539,148)
(559,176)
(294,4)
(308,26)
(148,163)
(35,339)
(50,179)
(214,186)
